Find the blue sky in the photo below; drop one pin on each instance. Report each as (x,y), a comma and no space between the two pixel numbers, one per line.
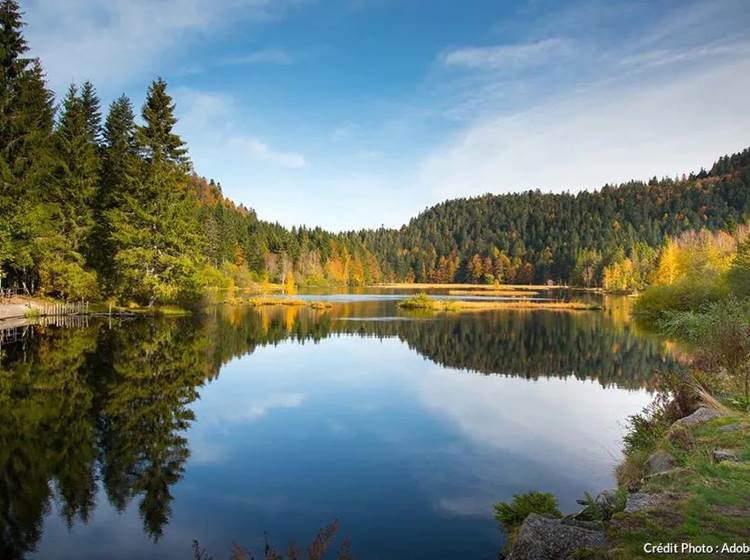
(357,113)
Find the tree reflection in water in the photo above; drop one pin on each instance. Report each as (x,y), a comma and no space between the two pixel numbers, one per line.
(79,407)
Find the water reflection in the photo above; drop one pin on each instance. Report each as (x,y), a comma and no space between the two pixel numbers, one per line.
(104,411)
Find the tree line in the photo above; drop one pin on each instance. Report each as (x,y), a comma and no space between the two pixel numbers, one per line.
(611,237)
(98,206)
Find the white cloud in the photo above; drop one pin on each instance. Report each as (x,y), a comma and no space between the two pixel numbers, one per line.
(116,41)
(596,135)
(261,151)
(207,122)
(260,407)
(506,56)
(266,56)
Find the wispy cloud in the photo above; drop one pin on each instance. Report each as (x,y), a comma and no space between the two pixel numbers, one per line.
(116,41)
(259,150)
(608,134)
(207,119)
(501,57)
(665,99)
(265,56)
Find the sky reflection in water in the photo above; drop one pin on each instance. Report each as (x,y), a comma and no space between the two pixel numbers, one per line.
(400,429)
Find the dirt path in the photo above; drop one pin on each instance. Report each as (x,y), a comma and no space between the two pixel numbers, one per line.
(17,308)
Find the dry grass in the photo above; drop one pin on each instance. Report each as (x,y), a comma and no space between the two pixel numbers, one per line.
(517,304)
(429,286)
(263,301)
(266,300)
(424,302)
(523,292)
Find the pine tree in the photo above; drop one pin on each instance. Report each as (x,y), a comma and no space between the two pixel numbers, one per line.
(70,198)
(26,115)
(92,112)
(120,158)
(155,230)
(160,143)
(120,174)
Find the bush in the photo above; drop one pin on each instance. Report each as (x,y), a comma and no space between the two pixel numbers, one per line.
(419,301)
(67,280)
(720,336)
(512,515)
(688,294)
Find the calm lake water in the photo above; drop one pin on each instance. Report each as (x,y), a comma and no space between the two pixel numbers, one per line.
(129,440)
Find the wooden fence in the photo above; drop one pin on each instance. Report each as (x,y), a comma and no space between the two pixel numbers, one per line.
(58,309)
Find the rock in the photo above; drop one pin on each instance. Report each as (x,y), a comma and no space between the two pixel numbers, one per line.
(639,501)
(544,538)
(736,427)
(607,499)
(700,416)
(660,461)
(720,455)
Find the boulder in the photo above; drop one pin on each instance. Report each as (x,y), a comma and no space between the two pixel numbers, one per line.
(640,501)
(736,427)
(700,416)
(660,461)
(724,455)
(544,538)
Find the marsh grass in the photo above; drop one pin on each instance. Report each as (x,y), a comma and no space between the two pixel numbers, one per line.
(424,302)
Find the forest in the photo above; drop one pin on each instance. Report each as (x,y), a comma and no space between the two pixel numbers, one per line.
(104,204)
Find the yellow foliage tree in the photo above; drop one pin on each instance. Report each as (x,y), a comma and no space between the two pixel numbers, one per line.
(668,269)
(289,287)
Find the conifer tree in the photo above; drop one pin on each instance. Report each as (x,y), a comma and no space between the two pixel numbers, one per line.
(91,108)
(120,173)
(70,197)
(155,231)
(26,115)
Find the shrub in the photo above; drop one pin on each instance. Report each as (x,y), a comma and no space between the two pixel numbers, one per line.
(419,301)
(720,336)
(689,294)
(512,515)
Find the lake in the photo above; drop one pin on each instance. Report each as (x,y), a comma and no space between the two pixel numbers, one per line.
(125,439)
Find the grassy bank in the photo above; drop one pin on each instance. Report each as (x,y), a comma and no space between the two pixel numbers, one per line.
(704,499)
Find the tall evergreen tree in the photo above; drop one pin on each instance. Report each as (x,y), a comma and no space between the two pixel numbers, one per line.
(67,201)
(159,141)
(92,111)
(155,231)
(26,115)
(120,173)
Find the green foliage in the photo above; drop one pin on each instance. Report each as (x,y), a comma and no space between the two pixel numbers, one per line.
(719,335)
(685,295)
(569,238)
(738,276)
(512,514)
(419,301)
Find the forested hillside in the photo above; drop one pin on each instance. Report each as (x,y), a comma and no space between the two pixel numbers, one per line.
(95,206)
(587,239)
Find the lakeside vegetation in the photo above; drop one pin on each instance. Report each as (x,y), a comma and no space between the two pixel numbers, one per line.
(109,206)
(426,303)
(686,464)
